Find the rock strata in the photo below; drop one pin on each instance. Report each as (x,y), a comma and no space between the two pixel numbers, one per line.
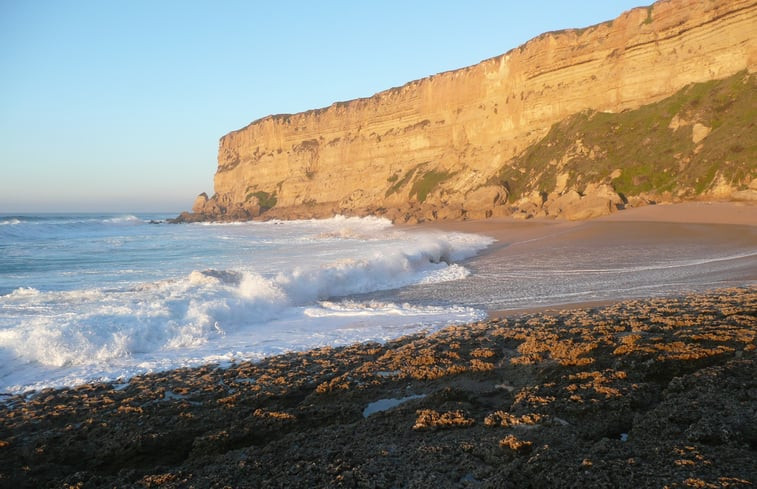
(427,149)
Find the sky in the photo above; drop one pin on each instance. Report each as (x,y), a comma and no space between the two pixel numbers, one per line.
(110,106)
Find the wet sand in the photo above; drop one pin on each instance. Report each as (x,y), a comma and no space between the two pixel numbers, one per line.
(644,252)
(658,392)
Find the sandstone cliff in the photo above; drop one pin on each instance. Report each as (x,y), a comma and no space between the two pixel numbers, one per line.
(452,145)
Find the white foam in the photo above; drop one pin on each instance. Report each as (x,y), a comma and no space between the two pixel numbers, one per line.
(285,301)
(372,308)
(129,219)
(22,292)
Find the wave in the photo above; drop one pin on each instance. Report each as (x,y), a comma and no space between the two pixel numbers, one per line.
(128,219)
(92,328)
(63,219)
(22,292)
(62,226)
(350,308)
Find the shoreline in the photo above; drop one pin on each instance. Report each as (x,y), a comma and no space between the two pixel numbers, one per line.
(734,217)
(523,235)
(661,388)
(562,395)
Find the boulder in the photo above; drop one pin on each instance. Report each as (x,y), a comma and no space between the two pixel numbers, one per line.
(478,214)
(588,207)
(199,203)
(604,191)
(574,207)
(449,212)
(521,214)
(394,214)
(485,198)
(749,195)
(699,132)
(557,204)
(501,211)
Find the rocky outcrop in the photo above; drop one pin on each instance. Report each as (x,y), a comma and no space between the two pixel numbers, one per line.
(643,393)
(437,147)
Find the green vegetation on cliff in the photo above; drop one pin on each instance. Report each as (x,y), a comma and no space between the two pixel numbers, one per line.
(426,183)
(266,200)
(683,145)
(423,181)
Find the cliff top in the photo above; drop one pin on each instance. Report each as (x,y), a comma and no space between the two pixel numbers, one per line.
(578,32)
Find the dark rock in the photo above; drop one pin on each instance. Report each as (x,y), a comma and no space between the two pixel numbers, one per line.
(562,399)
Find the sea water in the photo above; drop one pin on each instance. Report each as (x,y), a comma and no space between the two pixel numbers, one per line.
(103,297)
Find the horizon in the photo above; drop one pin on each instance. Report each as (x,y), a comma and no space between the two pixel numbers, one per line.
(119,108)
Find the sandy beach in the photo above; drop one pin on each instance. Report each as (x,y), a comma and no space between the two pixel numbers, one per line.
(653,392)
(733,213)
(621,244)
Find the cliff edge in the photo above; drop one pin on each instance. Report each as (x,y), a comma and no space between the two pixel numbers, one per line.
(532,132)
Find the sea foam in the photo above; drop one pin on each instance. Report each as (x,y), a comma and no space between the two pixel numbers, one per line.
(296,288)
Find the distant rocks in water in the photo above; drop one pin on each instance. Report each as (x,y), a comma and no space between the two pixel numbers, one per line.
(220,209)
(200,202)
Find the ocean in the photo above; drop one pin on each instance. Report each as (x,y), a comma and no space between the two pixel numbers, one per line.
(87,297)
(104,297)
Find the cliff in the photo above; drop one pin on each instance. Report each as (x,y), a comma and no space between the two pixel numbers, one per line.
(453,145)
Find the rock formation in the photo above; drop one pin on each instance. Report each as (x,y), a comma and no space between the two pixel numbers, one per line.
(656,393)
(441,147)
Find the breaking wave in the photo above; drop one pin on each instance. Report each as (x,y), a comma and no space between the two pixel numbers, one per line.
(109,332)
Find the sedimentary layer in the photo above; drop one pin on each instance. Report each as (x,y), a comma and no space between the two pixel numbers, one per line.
(437,147)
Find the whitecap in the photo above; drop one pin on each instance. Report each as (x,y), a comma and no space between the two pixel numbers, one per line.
(22,292)
(256,309)
(128,219)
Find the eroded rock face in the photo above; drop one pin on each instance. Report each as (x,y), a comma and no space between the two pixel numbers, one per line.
(200,203)
(485,198)
(450,134)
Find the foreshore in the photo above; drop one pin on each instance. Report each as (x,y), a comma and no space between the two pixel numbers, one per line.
(722,228)
(643,393)
(656,392)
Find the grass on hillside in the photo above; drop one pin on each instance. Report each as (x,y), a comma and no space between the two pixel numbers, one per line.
(652,158)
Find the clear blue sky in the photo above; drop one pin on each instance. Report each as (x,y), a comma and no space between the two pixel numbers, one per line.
(119,105)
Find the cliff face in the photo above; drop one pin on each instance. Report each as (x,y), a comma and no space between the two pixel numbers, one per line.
(438,147)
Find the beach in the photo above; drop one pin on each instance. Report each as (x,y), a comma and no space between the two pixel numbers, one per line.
(651,391)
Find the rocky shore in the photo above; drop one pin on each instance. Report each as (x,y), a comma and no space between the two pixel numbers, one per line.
(643,393)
